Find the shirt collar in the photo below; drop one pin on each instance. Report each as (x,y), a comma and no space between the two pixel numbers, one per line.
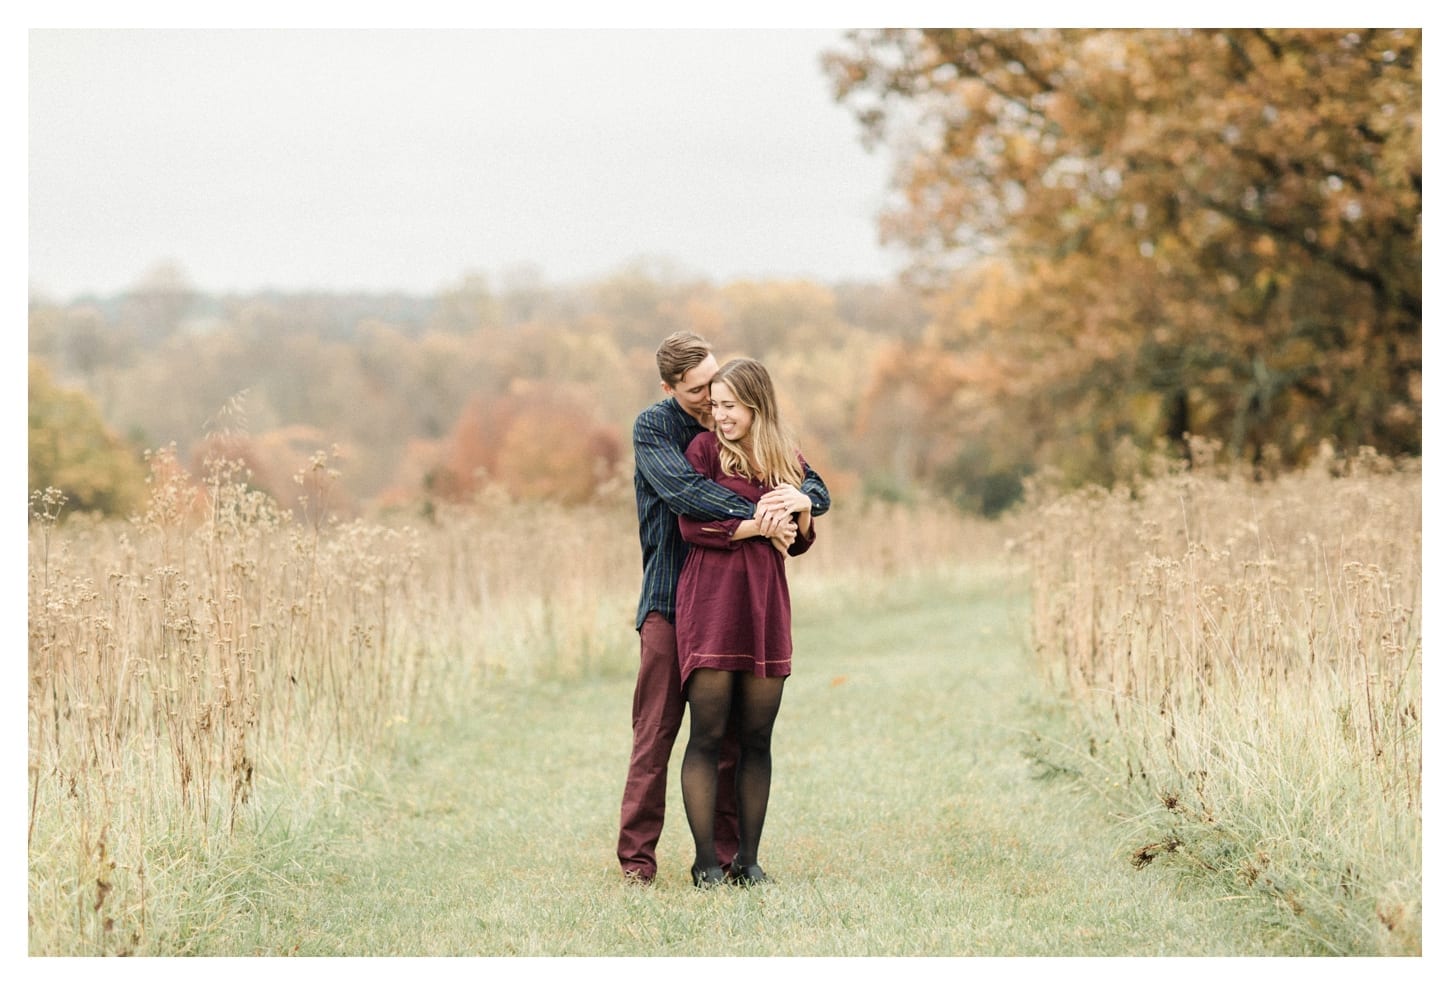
(684,416)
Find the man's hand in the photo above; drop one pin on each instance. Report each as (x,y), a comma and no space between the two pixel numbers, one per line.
(785,498)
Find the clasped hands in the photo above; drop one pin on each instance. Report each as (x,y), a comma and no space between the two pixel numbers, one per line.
(775,512)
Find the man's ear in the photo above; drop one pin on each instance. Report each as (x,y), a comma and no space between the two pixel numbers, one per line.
(669,390)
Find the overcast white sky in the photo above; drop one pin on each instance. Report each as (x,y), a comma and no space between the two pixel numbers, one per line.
(297,156)
(405,159)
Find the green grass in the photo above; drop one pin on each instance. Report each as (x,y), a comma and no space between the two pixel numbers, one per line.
(906,819)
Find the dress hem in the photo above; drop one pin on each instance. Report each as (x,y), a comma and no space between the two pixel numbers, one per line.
(744,663)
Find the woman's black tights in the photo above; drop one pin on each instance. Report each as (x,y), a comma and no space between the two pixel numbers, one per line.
(712,695)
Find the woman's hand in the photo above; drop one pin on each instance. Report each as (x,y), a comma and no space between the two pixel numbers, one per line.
(784,537)
(769,518)
(787,498)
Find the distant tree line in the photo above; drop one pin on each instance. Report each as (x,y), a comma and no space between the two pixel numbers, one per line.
(1120,238)
(525,388)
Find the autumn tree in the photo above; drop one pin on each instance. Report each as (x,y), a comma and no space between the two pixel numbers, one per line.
(467,306)
(159,303)
(537,442)
(762,318)
(1216,232)
(945,409)
(72,449)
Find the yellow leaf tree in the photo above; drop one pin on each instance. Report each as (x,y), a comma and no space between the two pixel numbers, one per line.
(72,450)
(1216,232)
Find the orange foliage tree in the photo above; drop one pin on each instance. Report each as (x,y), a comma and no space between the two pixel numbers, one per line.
(1215,232)
(538,441)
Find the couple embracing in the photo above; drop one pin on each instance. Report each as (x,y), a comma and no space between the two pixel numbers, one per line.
(723,497)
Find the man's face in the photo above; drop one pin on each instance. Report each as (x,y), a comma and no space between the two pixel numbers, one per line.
(693,391)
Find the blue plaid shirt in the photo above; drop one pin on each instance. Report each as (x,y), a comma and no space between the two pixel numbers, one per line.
(666,485)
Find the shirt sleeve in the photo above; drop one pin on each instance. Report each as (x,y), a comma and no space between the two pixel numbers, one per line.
(685,491)
(815,487)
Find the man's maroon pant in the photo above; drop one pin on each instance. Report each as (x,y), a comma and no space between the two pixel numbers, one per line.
(659,708)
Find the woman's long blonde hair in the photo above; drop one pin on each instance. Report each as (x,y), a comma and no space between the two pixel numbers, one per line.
(773,457)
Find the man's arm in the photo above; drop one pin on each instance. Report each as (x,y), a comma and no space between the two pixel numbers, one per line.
(815,487)
(685,491)
(786,500)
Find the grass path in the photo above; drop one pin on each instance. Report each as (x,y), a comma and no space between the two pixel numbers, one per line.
(904,820)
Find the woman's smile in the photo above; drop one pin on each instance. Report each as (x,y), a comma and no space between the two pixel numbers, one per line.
(732,418)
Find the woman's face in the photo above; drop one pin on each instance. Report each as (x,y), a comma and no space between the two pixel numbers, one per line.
(732,418)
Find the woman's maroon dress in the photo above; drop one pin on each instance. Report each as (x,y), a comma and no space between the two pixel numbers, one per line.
(732,605)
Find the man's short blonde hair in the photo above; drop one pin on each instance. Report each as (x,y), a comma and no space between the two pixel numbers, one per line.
(678,354)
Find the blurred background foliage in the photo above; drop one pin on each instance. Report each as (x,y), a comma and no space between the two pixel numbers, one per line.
(1119,238)
(1134,235)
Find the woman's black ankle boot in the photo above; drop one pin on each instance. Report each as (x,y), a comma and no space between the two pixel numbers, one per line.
(707,878)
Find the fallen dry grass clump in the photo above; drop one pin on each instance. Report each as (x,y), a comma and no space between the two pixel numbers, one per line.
(1246,659)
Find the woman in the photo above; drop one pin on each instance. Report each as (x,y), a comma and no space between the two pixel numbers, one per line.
(733,613)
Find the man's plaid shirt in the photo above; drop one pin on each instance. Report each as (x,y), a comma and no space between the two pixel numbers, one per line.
(666,485)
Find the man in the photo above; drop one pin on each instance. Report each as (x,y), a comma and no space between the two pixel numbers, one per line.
(666,485)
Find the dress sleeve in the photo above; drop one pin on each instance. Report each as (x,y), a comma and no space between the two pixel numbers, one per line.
(683,488)
(715,534)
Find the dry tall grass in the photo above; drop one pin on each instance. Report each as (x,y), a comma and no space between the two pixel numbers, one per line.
(218,657)
(1247,657)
